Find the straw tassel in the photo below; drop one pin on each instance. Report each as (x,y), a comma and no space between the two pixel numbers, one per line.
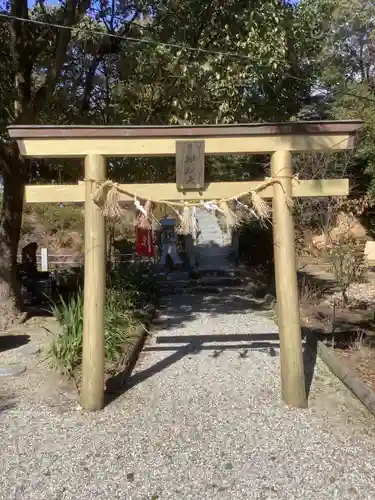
(107,199)
(145,218)
(261,208)
(231,220)
(188,223)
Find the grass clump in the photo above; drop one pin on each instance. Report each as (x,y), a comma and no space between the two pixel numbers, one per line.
(126,290)
(66,348)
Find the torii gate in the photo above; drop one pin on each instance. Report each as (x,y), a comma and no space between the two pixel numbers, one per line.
(95,143)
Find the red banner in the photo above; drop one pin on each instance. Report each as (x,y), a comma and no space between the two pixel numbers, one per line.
(144,245)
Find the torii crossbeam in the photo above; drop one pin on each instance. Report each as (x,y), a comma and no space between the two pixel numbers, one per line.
(95,143)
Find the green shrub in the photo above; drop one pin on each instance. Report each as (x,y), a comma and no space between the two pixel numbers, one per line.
(118,324)
(66,348)
(125,288)
(137,279)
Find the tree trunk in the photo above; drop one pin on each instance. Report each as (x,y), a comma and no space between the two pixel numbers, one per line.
(10,229)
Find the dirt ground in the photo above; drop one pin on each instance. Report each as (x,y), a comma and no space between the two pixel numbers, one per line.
(350,331)
(27,347)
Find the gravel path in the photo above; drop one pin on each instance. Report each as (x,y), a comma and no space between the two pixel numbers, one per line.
(203,420)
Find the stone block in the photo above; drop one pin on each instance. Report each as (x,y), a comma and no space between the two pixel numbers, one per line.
(370,251)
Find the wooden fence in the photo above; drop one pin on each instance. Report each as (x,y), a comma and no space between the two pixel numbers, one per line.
(49,260)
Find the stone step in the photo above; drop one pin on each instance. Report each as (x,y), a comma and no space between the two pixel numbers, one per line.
(209,224)
(210,227)
(214,261)
(207,290)
(206,234)
(229,291)
(204,281)
(211,247)
(212,255)
(201,275)
(208,238)
(216,272)
(212,250)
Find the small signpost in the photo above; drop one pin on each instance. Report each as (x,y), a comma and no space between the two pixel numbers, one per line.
(190,165)
(44,259)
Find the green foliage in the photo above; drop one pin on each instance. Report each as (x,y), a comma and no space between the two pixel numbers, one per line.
(266,73)
(358,102)
(257,60)
(137,279)
(66,348)
(346,76)
(118,324)
(271,44)
(125,289)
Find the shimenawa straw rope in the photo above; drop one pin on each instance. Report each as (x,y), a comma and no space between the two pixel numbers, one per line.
(108,193)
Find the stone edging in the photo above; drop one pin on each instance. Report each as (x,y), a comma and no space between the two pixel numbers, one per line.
(347,376)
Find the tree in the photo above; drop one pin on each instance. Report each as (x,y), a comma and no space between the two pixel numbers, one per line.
(195,62)
(26,92)
(252,61)
(346,76)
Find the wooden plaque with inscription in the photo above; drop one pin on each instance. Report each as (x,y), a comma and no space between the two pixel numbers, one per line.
(190,164)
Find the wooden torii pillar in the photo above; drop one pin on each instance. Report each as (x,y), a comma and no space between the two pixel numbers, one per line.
(95,143)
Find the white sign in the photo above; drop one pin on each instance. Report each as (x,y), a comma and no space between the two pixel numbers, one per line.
(44,259)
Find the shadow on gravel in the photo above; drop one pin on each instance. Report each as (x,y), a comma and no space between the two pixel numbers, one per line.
(8,342)
(38,312)
(6,403)
(215,305)
(209,292)
(198,343)
(181,308)
(218,344)
(193,344)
